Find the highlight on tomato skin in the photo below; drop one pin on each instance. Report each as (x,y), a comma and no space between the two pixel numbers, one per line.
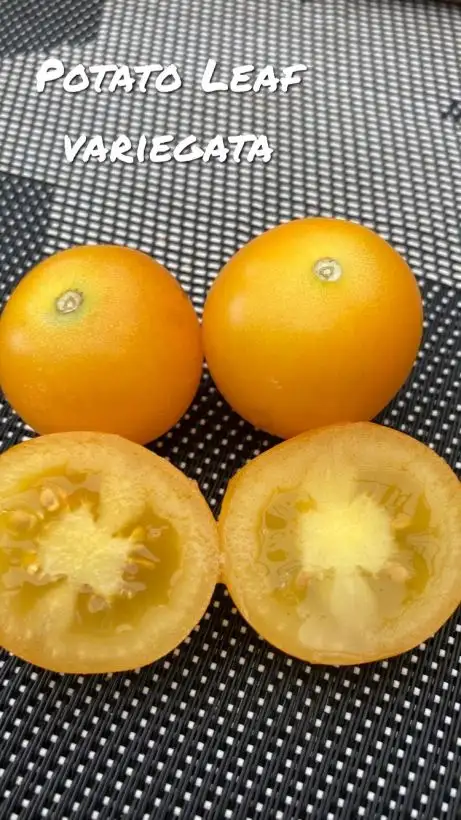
(109,555)
(343,545)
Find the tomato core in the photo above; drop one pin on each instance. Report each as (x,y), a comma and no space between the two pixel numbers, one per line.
(59,556)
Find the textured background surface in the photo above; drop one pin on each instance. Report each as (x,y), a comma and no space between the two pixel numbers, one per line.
(225,727)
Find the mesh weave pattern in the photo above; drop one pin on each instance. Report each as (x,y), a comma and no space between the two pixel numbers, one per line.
(226,727)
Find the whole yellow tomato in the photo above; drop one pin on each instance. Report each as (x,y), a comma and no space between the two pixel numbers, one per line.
(314,322)
(100,338)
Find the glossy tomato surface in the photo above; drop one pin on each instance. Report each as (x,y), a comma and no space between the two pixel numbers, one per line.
(108,554)
(343,545)
(100,337)
(314,322)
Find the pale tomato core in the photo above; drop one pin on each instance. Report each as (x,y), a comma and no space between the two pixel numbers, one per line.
(350,557)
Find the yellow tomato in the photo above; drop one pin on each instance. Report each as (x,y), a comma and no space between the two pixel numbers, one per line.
(315,322)
(343,545)
(108,554)
(100,338)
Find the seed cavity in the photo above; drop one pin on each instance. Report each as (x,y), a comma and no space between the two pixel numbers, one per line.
(42,555)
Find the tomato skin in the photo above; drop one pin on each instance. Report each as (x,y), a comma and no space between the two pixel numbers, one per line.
(128,361)
(132,479)
(290,352)
(287,464)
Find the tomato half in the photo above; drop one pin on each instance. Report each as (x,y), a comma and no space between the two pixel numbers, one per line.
(343,545)
(108,554)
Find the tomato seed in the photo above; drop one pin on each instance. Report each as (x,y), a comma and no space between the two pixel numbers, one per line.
(396,572)
(401,522)
(22,520)
(49,499)
(97,604)
(138,534)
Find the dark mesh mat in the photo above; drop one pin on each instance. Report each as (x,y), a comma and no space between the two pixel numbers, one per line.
(226,727)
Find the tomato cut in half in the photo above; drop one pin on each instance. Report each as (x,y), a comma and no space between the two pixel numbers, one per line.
(343,545)
(108,554)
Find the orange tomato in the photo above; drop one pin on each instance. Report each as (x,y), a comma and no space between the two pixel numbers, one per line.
(108,554)
(100,338)
(314,322)
(343,545)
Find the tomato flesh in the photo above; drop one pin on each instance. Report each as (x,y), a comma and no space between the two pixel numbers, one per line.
(88,570)
(354,551)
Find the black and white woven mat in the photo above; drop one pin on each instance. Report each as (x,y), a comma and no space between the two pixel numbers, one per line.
(226,727)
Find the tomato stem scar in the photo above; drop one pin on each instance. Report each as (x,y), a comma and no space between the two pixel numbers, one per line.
(328,270)
(69,301)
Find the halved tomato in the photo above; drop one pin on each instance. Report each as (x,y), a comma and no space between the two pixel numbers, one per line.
(343,545)
(108,554)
